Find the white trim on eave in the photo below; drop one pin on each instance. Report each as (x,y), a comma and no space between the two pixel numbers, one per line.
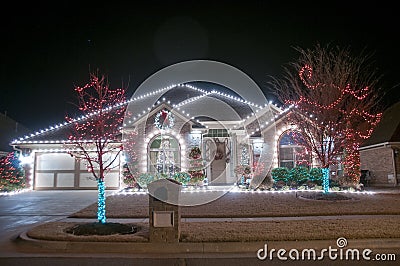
(378,145)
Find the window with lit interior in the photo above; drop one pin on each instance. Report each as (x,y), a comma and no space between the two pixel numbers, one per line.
(164,152)
(291,151)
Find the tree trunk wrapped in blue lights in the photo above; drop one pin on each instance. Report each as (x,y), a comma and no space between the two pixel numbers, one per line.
(101,202)
(325,180)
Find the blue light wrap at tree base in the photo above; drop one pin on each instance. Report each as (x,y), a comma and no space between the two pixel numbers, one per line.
(101,202)
(325,179)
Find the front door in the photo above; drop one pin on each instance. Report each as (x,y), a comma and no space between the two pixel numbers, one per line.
(216,156)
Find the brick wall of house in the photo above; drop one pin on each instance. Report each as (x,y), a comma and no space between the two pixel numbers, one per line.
(379,162)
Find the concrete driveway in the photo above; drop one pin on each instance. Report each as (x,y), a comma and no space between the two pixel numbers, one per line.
(25,210)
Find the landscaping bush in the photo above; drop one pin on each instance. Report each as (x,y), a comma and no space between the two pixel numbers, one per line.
(144,179)
(298,175)
(182,177)
(280,174)
(316,176)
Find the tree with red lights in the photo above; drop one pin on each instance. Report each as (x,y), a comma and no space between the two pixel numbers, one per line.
(95,137)
(12,175)
(335,104)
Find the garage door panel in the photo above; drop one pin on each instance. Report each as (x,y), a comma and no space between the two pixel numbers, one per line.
(107,158)
(55,161)
(87,181)
(111,180)
(44,180)
(65,180)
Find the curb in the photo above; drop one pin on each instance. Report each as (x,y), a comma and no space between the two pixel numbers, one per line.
(382,244)
(141,247)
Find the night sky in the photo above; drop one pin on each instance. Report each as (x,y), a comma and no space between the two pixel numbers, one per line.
(46,48)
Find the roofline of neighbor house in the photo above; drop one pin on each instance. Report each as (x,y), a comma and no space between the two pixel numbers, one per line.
(378,145)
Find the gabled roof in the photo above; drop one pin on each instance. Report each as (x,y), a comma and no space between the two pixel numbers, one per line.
(180,97)
(388,129)
(161,106)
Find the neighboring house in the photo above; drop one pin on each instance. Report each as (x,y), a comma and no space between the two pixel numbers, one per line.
(241,133)
(9,130)
(379,154)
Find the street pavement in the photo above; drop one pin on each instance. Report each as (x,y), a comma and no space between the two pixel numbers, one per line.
(19,213)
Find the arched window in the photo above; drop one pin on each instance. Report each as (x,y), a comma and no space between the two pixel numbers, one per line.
(164,152)
(291,151)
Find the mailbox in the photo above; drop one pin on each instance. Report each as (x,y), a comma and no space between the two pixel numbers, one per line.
(164,211)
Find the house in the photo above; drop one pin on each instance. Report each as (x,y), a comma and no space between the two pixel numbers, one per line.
(229,131)
(379,154)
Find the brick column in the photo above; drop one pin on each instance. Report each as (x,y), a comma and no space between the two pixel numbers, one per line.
(164,213)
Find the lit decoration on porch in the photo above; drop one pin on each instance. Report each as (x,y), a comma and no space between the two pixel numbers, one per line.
(164,119)
(244,156)
(102,129)
(130,177)
(195,153)
(243,171)
(196,166)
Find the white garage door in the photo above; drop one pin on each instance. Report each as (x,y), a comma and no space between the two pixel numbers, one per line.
(61,171)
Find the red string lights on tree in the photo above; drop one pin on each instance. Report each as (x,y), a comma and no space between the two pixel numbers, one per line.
(96,137)
(338,113)
(12,175)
